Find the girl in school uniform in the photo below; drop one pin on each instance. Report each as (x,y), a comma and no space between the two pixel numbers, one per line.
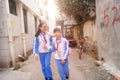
(60,47)
(42,50)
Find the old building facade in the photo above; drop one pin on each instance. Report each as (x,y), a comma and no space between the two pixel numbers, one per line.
(18,23)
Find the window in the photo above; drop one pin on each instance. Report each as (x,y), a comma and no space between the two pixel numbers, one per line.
(25,20)
(12,7)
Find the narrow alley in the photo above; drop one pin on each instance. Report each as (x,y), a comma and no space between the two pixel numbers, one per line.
(32,27)
(84,69)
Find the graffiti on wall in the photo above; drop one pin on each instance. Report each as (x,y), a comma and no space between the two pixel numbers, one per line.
(116,17)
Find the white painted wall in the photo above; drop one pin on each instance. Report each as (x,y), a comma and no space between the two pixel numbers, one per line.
(12,33)
(4,42)
(31,31)
(32,5)
(16,31)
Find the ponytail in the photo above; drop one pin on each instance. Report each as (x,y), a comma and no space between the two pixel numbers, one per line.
(39,31)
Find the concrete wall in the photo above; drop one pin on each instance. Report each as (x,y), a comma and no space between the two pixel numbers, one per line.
(4,52)
(32,5)
(3,17)
(76,37)
(15,22)
(16,31)
(31,31)
(13,40)
(90,30)
(4,47)
(108,23)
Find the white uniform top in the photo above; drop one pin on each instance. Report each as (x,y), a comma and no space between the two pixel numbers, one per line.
(61,48)
(39,43)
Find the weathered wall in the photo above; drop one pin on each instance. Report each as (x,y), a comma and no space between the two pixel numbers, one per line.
(75,34)
(4,52)
(12,33)
(90,30)
(108,23)
(32,5)
(31,31)
(4,47)
(17,30)
(16,33)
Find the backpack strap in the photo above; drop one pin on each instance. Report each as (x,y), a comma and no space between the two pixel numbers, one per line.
(69,48)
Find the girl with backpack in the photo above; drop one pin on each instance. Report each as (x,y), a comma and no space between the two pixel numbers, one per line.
(61,49)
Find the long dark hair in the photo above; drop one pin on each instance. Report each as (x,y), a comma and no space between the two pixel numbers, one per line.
(39,31)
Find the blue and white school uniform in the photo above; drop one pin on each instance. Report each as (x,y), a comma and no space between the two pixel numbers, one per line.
(61,48)
(42,47)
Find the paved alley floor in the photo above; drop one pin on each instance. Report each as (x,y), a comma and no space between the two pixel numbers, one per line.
(79,69)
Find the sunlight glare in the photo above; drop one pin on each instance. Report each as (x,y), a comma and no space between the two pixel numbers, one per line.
(51,9)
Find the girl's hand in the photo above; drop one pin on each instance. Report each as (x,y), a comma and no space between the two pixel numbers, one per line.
(63,61)
(36,57)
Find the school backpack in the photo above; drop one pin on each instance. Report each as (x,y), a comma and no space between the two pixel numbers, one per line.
(69,50)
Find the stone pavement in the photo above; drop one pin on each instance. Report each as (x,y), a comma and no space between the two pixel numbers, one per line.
(79,70)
